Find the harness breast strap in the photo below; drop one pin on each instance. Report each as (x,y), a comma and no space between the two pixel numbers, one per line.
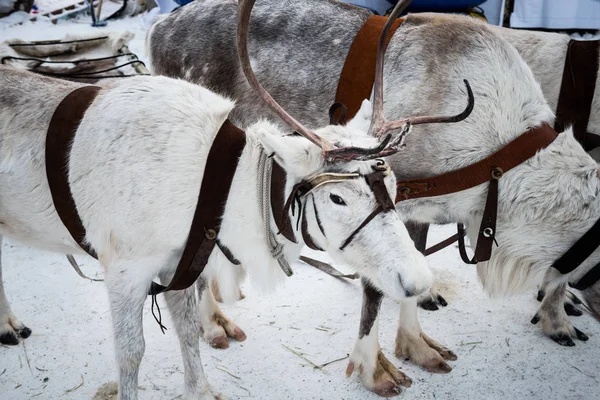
(220,168)
(59,139)
(358,74)
(218,174)
(577,90)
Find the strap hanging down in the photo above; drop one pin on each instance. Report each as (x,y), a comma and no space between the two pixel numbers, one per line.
(577,90)
(358,74)
(218,174)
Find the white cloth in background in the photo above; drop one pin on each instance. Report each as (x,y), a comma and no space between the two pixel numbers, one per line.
(556,14)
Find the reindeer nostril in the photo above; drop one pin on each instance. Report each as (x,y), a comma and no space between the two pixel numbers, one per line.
(408,293)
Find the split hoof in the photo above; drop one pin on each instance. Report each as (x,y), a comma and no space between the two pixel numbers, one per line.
(563,340)
(573,311)
(383,378)
(431,301)
(423,351)
(436,366)
(219,342)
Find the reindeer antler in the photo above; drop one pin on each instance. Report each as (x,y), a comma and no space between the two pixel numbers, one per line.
(331,153)
(243,22)
(379,125)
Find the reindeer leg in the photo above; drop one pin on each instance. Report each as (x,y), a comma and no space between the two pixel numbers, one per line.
(184,309)
(217,328)
(11,329)
(214,286)
(376,372)
(570,301)
(432,299)
(552,313)
(414,345)
(127,283)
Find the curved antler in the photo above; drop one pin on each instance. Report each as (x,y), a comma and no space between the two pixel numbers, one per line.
(379,124)
(243,22)
(377,118)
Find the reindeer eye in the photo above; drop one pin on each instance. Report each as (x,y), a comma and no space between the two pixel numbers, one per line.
(337,199)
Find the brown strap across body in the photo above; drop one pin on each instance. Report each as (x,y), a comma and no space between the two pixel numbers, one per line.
(356,83)
(220,168)
(490,169)
(59,139)
(577,90)
(358,74)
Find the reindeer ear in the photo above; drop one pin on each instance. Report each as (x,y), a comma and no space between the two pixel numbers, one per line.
(294,153)
(362,119)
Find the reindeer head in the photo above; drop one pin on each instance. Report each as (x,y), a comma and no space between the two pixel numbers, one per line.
(343,190)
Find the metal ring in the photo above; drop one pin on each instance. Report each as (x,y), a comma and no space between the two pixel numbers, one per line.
(488,232)
(210,234)
(497,173)
(404,191)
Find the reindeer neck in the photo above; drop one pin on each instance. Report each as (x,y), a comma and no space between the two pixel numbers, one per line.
(242,228)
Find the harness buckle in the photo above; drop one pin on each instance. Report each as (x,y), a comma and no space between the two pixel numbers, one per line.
(497,173)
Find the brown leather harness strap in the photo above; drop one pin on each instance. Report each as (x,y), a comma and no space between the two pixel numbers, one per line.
(220,168)
(490,169)
(280,214)
(221,165)
(514,153)
(59,139)
(577,90)
(358,74)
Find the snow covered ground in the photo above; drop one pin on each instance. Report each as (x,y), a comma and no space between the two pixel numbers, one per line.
(70,355)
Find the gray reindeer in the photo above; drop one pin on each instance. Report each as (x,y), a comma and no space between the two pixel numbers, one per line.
(545,204)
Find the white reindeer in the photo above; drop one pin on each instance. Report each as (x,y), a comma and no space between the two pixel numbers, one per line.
(545,204)
(134,176)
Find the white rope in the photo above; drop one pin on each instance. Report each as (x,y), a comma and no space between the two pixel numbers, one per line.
(265,165)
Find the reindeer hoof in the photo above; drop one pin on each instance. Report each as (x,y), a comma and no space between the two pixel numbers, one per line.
(540,295)
(429,305)
(447,354)
(9,338)
(563,340)
(580,335)
(437,366)
(431,301)
(219,342)
(573,311)
(25,332)
(387,389)
(379,375)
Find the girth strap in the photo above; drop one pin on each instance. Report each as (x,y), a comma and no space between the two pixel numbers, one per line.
(59,140)
(358,74)
(218,174)
(577,90)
